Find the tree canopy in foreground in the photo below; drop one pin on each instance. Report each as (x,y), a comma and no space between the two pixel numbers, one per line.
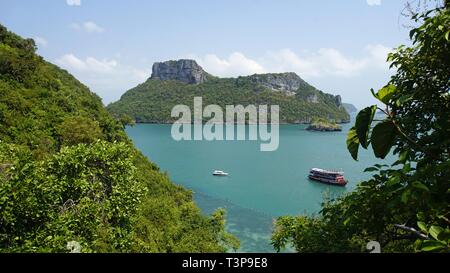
(69,176)
(405,206)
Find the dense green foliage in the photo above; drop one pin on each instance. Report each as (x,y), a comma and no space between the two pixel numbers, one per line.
(405,206)
(153,100)
(69,173)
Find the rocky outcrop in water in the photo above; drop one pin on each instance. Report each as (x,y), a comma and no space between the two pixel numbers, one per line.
(323,128)
(187,71)
(323,125)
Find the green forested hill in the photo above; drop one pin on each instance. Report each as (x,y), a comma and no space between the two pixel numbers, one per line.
(153,100)
(69,173)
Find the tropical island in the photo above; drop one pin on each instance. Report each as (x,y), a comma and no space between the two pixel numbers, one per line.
(323,125)
(178,82)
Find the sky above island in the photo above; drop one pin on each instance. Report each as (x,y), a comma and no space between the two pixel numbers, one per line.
(110,45)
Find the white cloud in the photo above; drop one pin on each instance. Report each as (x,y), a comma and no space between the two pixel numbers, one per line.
(107,77)
(378,54)
(88,26)
(90,64)
(92,27)
(322,63)
(73,2)
(373,2)
(235,64)
(40,41)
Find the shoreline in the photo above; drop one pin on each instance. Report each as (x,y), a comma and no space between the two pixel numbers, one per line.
(235,123)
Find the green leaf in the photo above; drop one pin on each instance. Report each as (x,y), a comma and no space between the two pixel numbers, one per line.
(432,245)
(370,169)
(447,35)
(346,221)
(403,156)
(435,231)
(393,180)
(444,235)
(382,138)
(420,185)
(411,33)
(385,94)
(353,143)
(406,168)
(403,99)
(405,196)
(373,93)
(422,226)
(397,162)
(363,121)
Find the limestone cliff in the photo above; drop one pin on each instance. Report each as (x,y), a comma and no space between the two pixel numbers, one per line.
(187,71)
(285,82)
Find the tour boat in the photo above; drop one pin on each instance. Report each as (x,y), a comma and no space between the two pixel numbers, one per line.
(328,177)
(220,173)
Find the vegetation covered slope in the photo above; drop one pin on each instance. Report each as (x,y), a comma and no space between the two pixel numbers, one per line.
(404,206)
(321,124)
(69,175)
(153,100)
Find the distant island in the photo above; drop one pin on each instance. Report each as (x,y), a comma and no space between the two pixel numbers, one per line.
(178,82)
(350,107)
(323,125)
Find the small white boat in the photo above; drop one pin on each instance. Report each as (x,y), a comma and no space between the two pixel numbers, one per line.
(220,173)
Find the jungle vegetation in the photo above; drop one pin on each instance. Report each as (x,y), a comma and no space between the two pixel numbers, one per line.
(405,206)
(69,174)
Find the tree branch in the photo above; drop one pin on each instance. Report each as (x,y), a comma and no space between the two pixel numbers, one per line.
(415,232)
(384,111)
(399,129)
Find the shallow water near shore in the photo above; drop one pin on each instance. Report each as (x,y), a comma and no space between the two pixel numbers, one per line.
(261,185)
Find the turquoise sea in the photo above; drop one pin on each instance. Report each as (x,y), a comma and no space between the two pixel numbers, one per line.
(261,185)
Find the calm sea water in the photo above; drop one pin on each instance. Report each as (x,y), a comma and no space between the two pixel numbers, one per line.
(261,185)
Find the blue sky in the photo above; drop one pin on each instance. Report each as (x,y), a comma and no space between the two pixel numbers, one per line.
(110,45)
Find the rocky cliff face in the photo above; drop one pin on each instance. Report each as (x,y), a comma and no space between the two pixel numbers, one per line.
(287,82)
(187,71)
(338,100)
(312,98)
